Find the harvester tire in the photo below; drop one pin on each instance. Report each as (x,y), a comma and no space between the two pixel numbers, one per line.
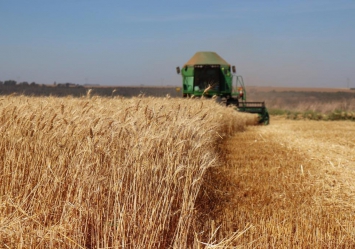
(267,119)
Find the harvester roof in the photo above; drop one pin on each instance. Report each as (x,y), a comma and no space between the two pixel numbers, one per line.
(206,58)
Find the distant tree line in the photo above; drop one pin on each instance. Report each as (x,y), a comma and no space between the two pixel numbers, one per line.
(25,83)
(14,83)
(68,85)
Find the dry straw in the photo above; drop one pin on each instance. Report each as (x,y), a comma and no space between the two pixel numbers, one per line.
(106,172)
(286,185)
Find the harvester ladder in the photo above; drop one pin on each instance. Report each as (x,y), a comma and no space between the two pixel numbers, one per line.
(240,84)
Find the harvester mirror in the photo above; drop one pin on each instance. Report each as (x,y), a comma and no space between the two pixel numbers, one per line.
(177,70)
(233,69)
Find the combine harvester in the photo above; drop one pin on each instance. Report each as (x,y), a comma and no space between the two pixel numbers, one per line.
(209,75)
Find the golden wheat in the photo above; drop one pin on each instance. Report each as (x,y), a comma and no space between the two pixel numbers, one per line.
(97,172)
(159,173)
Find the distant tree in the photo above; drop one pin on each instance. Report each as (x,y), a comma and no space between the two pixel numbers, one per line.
(33,84)
(1,83)
(25,83)
(10,83)
(68,84)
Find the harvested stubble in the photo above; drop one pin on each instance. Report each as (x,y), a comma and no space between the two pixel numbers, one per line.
(106,172)
(291,183)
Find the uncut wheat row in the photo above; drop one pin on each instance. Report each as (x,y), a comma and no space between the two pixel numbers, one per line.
(106,172)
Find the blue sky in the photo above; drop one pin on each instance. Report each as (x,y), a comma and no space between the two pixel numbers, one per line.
(271,43)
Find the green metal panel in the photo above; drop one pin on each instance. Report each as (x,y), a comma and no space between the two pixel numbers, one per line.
(188,83)
(188,79)
(228,79)
(187,71)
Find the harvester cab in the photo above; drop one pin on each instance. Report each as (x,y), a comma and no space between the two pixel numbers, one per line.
(207,74)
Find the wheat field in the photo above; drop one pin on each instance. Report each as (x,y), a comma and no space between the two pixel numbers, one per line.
(106,172)
(96,172)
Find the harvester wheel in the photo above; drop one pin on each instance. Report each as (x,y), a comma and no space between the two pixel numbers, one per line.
(267,119)
(223,101)
(218,99)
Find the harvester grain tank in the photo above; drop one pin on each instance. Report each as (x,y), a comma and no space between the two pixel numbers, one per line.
(207,74)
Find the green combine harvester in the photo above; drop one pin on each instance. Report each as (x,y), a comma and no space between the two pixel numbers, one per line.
(207,74)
